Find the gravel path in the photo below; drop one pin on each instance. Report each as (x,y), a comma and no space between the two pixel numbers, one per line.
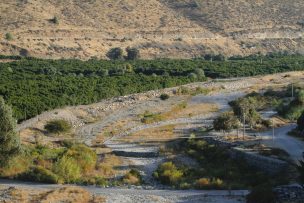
(293,146)
(133,195)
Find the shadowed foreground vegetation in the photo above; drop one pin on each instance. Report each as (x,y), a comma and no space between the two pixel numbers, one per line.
(215,170)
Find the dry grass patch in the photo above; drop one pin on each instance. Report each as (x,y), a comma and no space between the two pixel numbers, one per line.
(185,110)
(70,195)
(108,166)
(17,195)
(66,195)
(163,133)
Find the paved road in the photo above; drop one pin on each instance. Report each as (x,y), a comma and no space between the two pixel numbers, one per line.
(293,146)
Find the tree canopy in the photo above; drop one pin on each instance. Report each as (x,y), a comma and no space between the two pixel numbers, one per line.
(9,139)
(226,122)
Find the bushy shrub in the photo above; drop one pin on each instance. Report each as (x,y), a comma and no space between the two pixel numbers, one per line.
(168,173)
(199,72)
(227,122)
(57,126)
(45,152)
(300,122)
(132,53)
(68,169)
(115,54)
(248,106)
(183,90)
(93,180)
(84,156)
(148,117)
(16,166)
(192,76)
(55,20)
(292,112)
(185,186)
(164,96)
(207,183)
(294,109)
(133,177)
(9,36)
(40,174)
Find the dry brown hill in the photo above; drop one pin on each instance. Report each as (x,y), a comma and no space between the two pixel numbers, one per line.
(159,28)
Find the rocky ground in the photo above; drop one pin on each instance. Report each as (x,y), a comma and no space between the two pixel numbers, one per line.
(51,193)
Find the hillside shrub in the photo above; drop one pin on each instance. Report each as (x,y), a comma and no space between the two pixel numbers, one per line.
(164,96)
(57,126)
(40,174)
(16,166)
(167,173)
(207,183)
(226,122)
(133,177)
(68,169)
(84,156)
(9,36)
(294,109)
(300,122)
(55,20)
(149,117)
(132,53)
(115,54)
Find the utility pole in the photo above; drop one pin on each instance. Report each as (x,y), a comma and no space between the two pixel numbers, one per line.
(244,127)
(272,130)
(292,90)
(237,132)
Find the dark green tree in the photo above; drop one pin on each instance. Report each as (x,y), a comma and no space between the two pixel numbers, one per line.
(132,53)
(247,107)
(115,54)
(300,122)
(9,139)
(226,122)
(300,97)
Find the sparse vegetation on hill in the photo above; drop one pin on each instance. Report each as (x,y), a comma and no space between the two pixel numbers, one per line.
(158,28)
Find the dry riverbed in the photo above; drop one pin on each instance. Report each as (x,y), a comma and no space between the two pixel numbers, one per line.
(114,126)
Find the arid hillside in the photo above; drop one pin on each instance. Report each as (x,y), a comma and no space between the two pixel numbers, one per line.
(158,28)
